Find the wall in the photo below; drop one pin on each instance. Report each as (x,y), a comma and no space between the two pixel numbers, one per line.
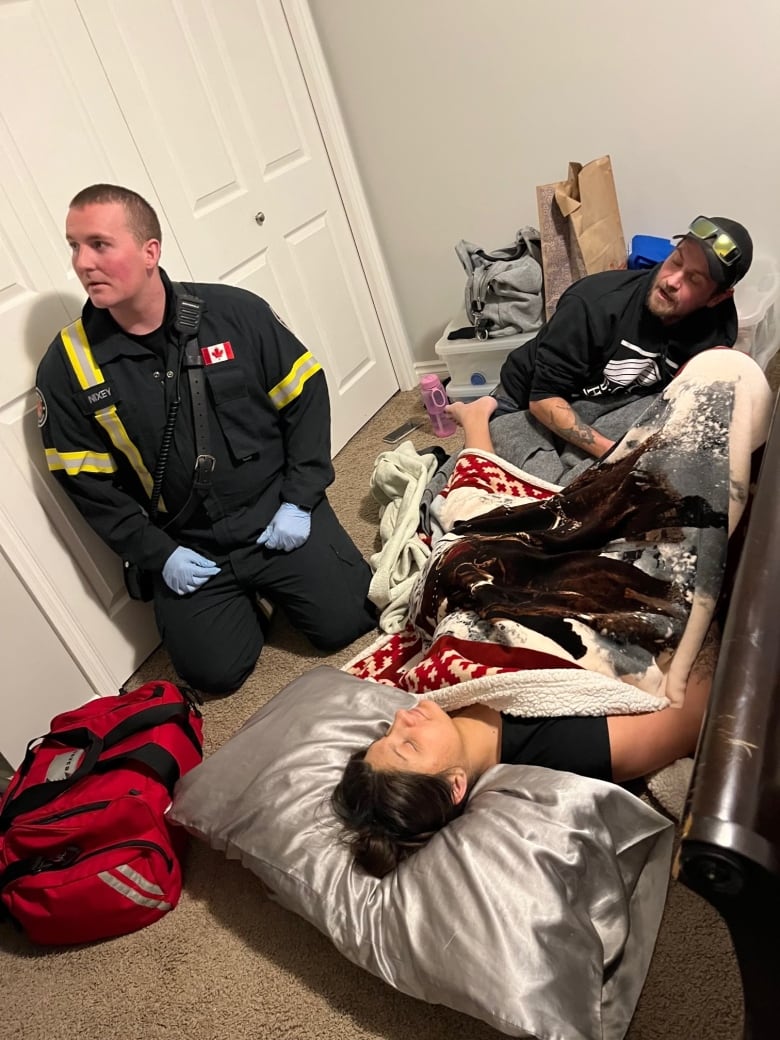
(456,110)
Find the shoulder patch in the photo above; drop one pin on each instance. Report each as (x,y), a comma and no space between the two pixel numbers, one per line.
(41,408)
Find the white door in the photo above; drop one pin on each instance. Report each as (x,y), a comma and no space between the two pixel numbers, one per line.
(27,638)
(60,128)
(186,116)
(214,97)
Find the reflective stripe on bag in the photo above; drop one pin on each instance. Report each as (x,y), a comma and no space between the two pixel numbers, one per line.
(132,893)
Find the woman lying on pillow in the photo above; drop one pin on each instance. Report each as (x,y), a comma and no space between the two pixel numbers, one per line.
(615,577)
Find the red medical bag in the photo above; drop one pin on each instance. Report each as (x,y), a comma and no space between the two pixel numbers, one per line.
(86,850)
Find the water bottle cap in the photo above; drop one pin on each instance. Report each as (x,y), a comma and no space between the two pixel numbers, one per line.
(431,379)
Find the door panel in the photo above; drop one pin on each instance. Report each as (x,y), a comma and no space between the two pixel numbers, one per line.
(321,267)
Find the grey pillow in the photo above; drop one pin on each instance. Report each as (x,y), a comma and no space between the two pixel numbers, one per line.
(536,911)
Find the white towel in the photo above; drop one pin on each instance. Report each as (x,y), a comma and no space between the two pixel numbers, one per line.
(397,483)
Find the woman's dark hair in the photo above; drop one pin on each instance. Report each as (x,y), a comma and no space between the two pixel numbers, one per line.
(390,814)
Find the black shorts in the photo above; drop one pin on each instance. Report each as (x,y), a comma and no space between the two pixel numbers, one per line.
(576,744)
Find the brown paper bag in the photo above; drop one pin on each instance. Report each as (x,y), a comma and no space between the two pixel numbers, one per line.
(580,226)
(589,202)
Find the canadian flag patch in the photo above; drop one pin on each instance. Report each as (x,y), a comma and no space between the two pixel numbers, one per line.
(218,352)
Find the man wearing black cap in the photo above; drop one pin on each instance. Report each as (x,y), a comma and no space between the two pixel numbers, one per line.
(620,334)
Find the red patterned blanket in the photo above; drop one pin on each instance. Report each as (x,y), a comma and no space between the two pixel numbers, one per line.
(593,598)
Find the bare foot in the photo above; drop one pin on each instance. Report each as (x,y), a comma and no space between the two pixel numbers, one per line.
(465,412)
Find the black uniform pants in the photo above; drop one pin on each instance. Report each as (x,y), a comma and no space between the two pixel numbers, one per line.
(214,636)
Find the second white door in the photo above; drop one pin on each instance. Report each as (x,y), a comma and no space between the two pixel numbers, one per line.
(201,107)
(215,100)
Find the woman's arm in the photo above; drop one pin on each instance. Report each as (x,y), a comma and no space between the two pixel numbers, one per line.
(640,744)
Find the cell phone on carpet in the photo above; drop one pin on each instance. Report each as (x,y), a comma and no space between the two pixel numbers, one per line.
(401,431)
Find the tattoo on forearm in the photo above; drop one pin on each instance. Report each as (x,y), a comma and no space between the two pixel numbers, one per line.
(577,432)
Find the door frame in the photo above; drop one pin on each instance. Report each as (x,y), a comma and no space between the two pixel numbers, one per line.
(334,134)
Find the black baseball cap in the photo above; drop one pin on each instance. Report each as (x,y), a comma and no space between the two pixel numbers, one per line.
(727,246)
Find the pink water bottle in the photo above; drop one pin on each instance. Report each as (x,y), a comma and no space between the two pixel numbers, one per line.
(435,400)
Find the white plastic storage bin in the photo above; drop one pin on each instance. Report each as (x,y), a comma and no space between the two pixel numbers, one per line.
(476,362)
(757,298)
(469,391)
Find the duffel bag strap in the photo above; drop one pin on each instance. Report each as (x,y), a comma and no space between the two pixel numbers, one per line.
(155,715)
(161,762)
(40,794)
(155,758)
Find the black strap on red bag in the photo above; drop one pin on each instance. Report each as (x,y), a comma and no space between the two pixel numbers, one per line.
(155,758)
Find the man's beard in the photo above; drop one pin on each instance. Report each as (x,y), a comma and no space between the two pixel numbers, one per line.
(664,305)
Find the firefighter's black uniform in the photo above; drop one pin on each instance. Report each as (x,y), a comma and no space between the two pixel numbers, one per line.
(102,417)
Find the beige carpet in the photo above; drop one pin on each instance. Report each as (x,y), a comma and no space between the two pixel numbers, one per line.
(228,964)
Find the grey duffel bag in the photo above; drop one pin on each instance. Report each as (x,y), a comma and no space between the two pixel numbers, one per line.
(504,287)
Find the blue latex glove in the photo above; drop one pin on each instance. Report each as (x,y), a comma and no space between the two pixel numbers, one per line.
(185,570)
(288,530)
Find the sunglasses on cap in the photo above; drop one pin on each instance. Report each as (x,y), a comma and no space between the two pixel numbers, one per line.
(719,241)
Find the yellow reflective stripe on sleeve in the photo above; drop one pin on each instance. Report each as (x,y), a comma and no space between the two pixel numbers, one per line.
(75,462)
(293,383)
(79,354)
(88,373)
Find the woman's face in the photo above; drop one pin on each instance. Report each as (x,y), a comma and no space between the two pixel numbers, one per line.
(423,739)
